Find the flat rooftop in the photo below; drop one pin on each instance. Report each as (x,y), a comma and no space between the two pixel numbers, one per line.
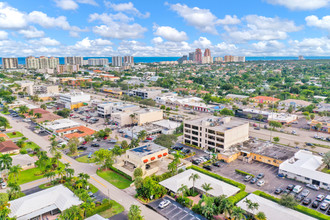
(217,123)
(275,151)
(148,149)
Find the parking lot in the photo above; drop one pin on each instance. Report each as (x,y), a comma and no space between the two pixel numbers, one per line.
(174,211)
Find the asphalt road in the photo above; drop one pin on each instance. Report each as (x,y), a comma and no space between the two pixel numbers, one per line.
(105,187)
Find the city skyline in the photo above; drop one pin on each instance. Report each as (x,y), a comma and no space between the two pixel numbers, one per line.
(165,28)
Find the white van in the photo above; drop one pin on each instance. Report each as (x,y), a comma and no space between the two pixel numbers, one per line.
(297,189)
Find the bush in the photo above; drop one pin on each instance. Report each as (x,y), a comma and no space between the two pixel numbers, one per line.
(238,197)
(23,151)
(243,172)
(106,204)
(121,173)
(216,176)
(184,201)
(299,208)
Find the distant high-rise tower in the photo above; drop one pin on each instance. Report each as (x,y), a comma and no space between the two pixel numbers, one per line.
(10,63)
(198,56)
(117,61)
(74,60)
(207,52)
(192,56)
(183,58)
(128,61)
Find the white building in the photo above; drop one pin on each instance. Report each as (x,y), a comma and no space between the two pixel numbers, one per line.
(74,60)
(42,63)
(138,117)
(117,61)
(168,127)
(106,109)
(162,98)
(145,93)
(74,100)
(98,62)
(303,168)
(9,63)
(282,117)
(295,103)
(272,210)
(128,61)
(44,203)
(61,124)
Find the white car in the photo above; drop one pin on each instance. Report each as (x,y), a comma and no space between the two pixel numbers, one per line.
(164,203)
(26,120)
(3,185)
(260,183)
(297,189)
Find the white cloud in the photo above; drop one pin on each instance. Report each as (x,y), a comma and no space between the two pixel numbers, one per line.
(157,40)
(202,42)
(66,4)
(170,34)
(323,23)
(262,29)
(229,20)
(45,21)
(3,35)
(202,19)
(32,32)
(264,46)
(102,42)
(301,4)
(109,18)
(89,2)
(45,42)
(11,18)
(126,7)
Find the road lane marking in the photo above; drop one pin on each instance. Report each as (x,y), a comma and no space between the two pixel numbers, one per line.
(98,182)
(36,182)
(66,160)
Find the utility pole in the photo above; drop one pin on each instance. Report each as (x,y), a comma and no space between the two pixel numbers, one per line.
(270,138)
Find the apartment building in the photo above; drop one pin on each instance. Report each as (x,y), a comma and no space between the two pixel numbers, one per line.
(42,62)
(74,60)
(98,62)
(68,68)
(215,133)
(9,63)
(74,100)
(145,93)
(128,61)
(117,61)
(45,89)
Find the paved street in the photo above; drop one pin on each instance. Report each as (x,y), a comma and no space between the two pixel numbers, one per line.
(104,186)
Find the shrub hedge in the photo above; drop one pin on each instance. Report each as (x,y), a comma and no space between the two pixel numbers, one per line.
(243,173)
(121,173)
(299,208)
(216,176)
(238,197)
(104,206)
(184,201)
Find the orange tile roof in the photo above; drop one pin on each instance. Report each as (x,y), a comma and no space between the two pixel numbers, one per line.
(4,136)
(266,98)
(82,132)
(6,146)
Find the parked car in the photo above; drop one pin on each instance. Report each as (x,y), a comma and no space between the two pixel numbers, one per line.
(309,144)
(320,197)
(82,148)
(164,203)
(95,145)
(312,186)
(196,161)
(307,201)
(217,164)
(253,180)
(293,132)
(297,189)
(260,183)
(305,192)
(112,141)
(26,120)
(256,128)
(315,204)
(324,206)
(247,178)
(91,194)
(147,166)
(328,212)
(278,191)
(177,148)
(3,185)
(286,192)
(85,142)
(299,198)
(186,151)
(290,187)
(327,199)
(207,167)
(260,175)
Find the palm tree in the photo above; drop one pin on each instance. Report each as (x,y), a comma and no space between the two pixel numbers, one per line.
(172,167)
(207,187)
(73,213)
(142,135)
(183,189)
(260,117)
(69,172)
(53,147)
(5,162)
(23,109)
(43,106)
(318,126)
(238,213)
(4,122)
(194,177)
(14,173)
(208,209)
(226,207)
(135,213)
(260,216)
(14,190)
(83,176)
(251,205)
(133,118)
(58,156)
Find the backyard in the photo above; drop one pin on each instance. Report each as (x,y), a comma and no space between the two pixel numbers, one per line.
(85,159)
(115,209)
(29,175)
(14,134)
(115,179)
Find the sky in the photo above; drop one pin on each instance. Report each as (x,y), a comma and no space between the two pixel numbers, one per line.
(147,28)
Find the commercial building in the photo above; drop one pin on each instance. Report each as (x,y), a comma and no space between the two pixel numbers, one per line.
(145,93)
(9,63)
(74,61)
(322,107)
(325,124)
(219,187)
(75,132)
(137,117)
(117,61)
(198,56)
(60,124)
(98,62)
(42,63)
(106,109)
(43,89)
(303,167)
(272,210)
(128,61)
(215,133)
(238,97)
(164,97)
(111,78)
(261,151)
(67,68)
(44,204)
(265,116)
(74,100)
(282,117)
(264,99)
(295,103)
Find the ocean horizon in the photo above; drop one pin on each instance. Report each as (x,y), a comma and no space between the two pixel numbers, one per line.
(21,60)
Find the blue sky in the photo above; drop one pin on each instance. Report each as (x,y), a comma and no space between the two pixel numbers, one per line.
(164,28)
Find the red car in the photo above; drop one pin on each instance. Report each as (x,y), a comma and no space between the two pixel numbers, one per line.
(104,138)
(255,125)
(85,142)
(149,138)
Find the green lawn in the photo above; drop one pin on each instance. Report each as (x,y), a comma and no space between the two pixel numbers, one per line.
(30,145)
(29,175)
(325,170)
(17,135)
(92,188)
(5,113)
(115,179)
(115,209)
(85,159)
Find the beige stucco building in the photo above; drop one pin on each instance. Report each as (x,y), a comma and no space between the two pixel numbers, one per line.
(215,133)
(138,117)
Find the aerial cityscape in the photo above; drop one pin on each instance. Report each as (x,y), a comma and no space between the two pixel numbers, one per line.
(179,110)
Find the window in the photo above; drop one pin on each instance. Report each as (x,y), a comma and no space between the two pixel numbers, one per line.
(324,184)
(307,178)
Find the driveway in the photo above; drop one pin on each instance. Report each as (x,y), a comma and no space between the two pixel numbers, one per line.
(174,211)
